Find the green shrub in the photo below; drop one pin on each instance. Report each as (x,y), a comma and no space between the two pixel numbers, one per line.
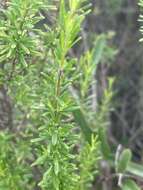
(59,136)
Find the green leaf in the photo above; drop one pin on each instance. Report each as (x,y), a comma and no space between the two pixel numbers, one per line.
(54,139)
(104,143)
(135,169)
(56,167)
(40,160)
(130,185)
(124,160)
(83,124)
(98,50)
(62,12)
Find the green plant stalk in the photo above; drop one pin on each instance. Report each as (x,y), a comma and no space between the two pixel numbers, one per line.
(60,173)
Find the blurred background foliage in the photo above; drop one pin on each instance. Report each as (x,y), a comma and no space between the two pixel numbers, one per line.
(122,60)
(118,19)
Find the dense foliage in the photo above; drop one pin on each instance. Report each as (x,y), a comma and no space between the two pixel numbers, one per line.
(58,137)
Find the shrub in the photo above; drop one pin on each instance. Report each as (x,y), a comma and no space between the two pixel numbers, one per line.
(59,137)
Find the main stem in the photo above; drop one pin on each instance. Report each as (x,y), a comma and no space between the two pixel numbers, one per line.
(58,86)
